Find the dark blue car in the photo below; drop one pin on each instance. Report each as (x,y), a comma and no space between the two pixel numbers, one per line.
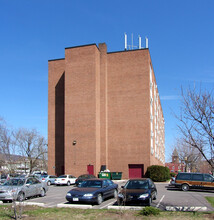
(93,191)
(141,191)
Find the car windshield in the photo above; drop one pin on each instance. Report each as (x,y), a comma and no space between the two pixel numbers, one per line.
(14,182)
(91,184)
(137,184)
(63,176)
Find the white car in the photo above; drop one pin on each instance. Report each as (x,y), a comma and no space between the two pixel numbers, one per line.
(65,180)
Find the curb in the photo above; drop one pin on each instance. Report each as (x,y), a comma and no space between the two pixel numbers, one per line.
(185,208)
(126,207)
(32,203)
(27,203)
(62,205)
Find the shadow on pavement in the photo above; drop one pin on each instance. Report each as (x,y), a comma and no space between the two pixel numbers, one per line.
(172,188)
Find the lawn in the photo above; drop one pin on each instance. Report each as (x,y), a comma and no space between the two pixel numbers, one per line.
(34,213)
(210,200)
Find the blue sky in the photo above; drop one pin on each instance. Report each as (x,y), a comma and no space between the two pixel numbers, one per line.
(181,43)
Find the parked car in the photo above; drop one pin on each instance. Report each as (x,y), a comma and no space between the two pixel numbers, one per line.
(65,180)
(3,178)
(39,173)
(22,176)
(49,179)
(21,188)
(141,190)
(83,177)
(93,191)
(185,181)
(172,181)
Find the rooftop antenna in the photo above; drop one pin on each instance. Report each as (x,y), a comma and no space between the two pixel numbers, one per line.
(132,47)
(132,42)
(147,42)
(139,38)
(125,41)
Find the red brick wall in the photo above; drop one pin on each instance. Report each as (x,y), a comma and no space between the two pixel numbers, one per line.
(128,110)
(56,71)
(106,110)
(81,109)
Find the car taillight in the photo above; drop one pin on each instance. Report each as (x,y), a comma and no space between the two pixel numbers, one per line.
(63,179)
(43,178)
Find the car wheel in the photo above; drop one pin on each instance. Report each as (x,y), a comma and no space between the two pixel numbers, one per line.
(155,196)
(42,193)
(99,199)
(185,187)
(68,183)
(21,197)
(48,183)
(115,193)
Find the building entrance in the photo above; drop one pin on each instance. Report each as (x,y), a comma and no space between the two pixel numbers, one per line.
(90,169)
(136,171)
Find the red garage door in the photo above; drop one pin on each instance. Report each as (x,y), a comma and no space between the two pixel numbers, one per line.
(136,171)
(90,169)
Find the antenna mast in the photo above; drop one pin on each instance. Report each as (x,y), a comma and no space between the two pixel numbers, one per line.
(132,47)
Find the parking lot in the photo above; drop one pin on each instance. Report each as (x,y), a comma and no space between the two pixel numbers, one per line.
(168,199)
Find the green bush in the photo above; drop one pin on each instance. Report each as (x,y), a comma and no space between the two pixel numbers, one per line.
(158,173)
(149,210)
(172,174)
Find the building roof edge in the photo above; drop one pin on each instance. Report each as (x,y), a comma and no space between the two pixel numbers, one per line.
(86,45)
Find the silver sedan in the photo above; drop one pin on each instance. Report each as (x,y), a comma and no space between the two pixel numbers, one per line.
(22,188)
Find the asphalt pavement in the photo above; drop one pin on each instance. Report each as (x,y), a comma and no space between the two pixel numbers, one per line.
(167,199)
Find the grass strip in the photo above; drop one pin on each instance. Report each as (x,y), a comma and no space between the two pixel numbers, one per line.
(40,213)
(210,200)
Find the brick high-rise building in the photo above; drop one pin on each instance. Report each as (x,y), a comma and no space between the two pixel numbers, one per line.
(104,109)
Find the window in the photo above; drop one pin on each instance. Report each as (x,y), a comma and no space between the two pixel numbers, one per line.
(184,176)
(151,184)
(29,181)
(35,181)
(208,178)
(109,182)
(105,183)
(197,177)
(63,176)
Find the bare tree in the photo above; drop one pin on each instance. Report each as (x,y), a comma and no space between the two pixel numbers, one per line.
(7,146)
(32,145)
(197,122)
(188,154)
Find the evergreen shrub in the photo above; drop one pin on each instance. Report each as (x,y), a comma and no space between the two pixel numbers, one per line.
(149,210)
(172,174)
(158,173)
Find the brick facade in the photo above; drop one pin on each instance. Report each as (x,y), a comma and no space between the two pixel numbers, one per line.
(103,109)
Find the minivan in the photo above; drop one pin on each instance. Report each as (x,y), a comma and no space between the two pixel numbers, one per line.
(185,181)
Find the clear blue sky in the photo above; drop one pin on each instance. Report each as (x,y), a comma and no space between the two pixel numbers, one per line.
(181,43)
